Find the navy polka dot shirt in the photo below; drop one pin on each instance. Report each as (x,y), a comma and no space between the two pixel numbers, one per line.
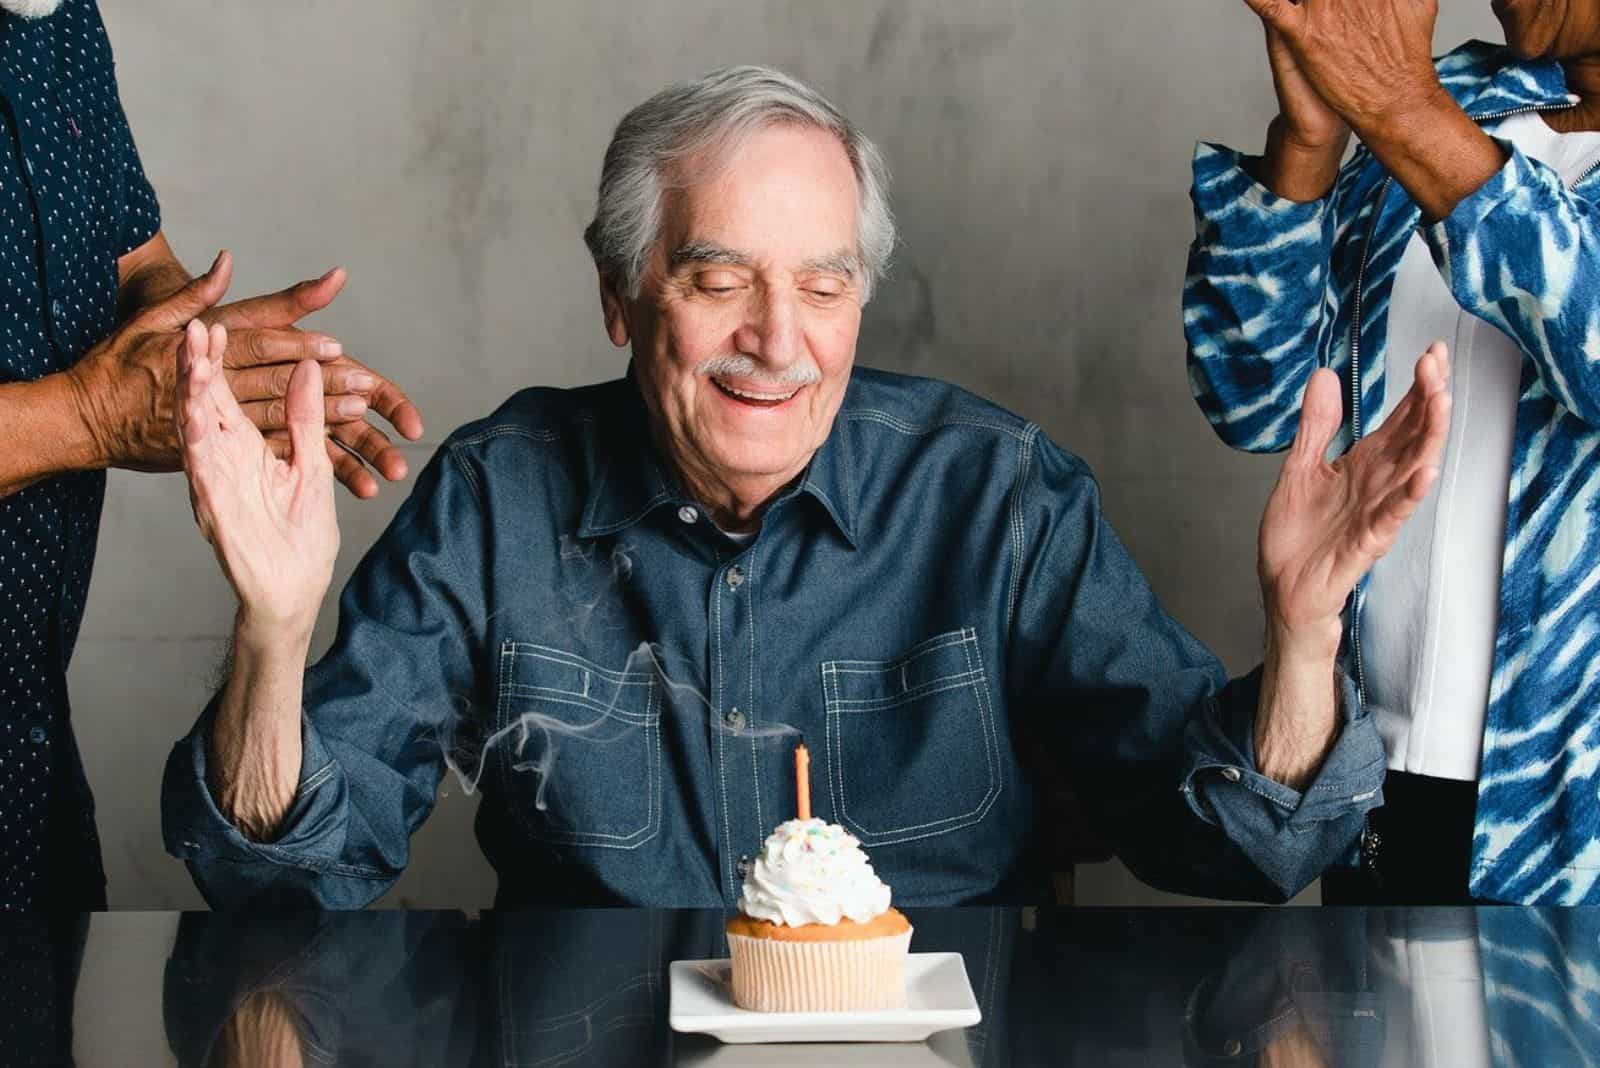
(73,198)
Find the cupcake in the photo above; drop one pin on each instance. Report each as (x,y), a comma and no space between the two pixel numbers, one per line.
(815,932)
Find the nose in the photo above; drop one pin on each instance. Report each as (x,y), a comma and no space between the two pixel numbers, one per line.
(771,330)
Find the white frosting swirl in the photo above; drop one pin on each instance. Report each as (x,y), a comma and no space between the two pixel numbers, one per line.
(812,872)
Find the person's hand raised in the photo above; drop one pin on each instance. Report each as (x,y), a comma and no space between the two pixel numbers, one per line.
(1365,59)
(1326,524)
(271,521)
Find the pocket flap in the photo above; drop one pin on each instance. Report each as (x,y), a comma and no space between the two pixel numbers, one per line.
(939,663)
(539,671)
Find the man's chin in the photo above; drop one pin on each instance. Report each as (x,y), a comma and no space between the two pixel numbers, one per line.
(30,9)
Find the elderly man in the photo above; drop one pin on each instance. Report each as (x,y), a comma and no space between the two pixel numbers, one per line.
(92,302)
(1468,213)
(616,607)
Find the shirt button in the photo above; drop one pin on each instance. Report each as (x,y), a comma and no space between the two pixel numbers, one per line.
(28,163)
(1231,774)
(743,867)
(735,577)
(688,515)
(37,735)
(734,719)
(55,308)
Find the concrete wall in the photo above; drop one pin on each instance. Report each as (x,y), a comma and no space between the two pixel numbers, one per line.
(447,154)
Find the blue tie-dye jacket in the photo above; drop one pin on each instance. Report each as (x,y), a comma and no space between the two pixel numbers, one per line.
(1276,289)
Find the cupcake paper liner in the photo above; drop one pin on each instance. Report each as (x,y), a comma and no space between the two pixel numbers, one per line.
(773,976)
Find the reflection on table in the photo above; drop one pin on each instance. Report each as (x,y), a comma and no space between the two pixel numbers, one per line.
(1278,987)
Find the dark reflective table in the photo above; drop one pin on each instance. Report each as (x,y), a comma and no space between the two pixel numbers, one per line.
(1235,986)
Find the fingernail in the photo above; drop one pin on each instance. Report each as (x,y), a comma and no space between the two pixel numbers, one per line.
(361,382)
(329,347)
(352,406)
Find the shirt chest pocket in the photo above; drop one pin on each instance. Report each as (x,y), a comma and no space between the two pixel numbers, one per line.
(913,749)
(578,747)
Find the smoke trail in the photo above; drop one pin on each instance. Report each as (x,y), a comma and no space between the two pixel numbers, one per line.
(469,762)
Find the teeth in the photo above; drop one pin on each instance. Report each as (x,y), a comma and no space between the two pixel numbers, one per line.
(755,396)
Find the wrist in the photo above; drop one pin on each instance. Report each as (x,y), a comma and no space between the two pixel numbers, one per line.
(1299,166)
(84,391)
(1410,116)
(265,635)
(1303,641)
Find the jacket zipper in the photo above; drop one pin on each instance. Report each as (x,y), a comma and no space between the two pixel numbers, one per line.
(1355,358)
(1355,421)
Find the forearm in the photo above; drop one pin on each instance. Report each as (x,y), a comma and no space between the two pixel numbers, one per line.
(255,745)
(1296,170)
(1435,151)
(44,432)
(1298,717)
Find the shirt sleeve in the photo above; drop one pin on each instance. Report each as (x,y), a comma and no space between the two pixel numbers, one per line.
(141,210)
(1522,253)
(381,712)
(1158,741)
(1257,308)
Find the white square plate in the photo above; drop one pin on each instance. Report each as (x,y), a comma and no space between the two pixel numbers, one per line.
(938,997)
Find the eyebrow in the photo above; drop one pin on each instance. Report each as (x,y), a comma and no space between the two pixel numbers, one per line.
(842,262)
(706,252)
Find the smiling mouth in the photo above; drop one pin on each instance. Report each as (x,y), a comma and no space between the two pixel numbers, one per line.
(753,398)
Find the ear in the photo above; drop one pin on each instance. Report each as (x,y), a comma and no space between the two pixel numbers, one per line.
(615,311)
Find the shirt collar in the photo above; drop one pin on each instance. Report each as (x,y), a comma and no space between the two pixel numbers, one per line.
(628,480)
(1487,80)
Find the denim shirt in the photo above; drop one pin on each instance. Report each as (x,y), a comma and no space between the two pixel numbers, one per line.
(934,603)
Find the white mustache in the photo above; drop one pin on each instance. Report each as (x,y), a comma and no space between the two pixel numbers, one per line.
(741,366)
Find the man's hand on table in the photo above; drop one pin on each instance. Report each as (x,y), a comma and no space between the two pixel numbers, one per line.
(123,388)
(1372,65)
(1324,527)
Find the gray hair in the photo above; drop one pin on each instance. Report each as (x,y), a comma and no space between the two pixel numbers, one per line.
(708,113)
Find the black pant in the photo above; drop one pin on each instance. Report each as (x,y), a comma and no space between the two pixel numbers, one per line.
(1417,849)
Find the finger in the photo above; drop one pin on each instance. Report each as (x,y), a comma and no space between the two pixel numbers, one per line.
(274,414)
(1284,16)
(1427,445)
(373,446)
(285,307)
(305,405)
(1391,514)
(272,381)
(391,402)
(263,346)
(1321,411)
(197,295)
(1431,375)
(227,406)
(351,472)
(1419,437)
(196,413)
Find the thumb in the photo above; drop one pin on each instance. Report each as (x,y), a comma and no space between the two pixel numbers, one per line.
(1284,16)
(305,415)
(194,298)
(1321,411)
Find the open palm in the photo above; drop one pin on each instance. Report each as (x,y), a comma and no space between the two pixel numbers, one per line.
(271,521)
(1326,524)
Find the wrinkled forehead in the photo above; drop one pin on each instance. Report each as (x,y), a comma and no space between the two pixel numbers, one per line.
(781,196)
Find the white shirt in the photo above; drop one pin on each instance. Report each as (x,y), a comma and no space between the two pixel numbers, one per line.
(1432,604)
